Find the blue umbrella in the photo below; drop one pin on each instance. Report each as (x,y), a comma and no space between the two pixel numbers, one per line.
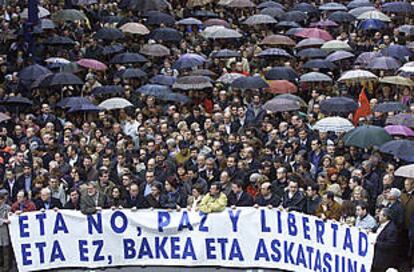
(85,108)
(319,64)
(157,18)
(359,3)
(154,90)
(339,55)
(293,31)
(397,51)
(384,63)
(60,79)
(306,7)
(107,89)
(398,7)
(69,102)
(225,53)
(372,24)
(133,73)
(366,57)
(339,104)
(250,82)
(281,73)
(295,16)
(175,97)
(113,49)
(341,17)
(33,72)
(274,12)
(166,34)
(402,149)
(163,80)
(312,53)
(270,4)
(125,58)
(188,61)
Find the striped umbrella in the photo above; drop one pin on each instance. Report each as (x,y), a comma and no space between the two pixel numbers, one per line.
(333,124)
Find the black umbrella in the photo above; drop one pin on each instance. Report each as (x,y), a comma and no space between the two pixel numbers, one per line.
(270,4)
(125,58)
(274,12)
(113,49)
(85,108)
(107,89)
(340,104)
(16,101)
(158,18)
(205,13)
(390,107)
(312,53)
(402,149)
(166,34)
(59,40)
(306,7)
(319,64)
(109,34)
(69,102)
(144,5)
(225,54)
(163,80)
(154,90)
(61,79)
(133,73)
(288,24)
(175,97)
(341,17)
(295,16)
(281,73)
(33,72)
(250,82)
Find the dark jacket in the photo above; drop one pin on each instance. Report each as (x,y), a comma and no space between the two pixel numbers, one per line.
(12,192)
(151,202)
(53,203)
(296,203)
(137,202)
(274,201)
(72,206)
(170,200)
(245,200)
(397,213)
(312,204)
(387,248)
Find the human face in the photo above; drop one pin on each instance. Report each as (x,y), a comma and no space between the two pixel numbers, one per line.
(20,197)
(44,195)
(74,196)
(409,184)
(214,190)
(293,187)
(91,190)
(360,212)
(150,177)
(310,192)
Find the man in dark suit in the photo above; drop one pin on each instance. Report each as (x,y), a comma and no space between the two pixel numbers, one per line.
(293,199)
(210,174)
(27,178)
(266,197)
(238,197)
(46,202)
(255,113)
(12,185)
(74,200)
(134,199)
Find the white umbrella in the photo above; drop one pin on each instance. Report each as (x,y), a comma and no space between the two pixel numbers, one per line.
(57,60)
(42,13)
(374,14)
(408,67)
(334,124)
(315,77)
(135,28)
(259,19)
(220,32)
(336,45)
(358,11)
(115,103)
(406,171)
(357,75)
(228,78)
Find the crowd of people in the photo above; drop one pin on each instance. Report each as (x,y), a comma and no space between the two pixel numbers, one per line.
(215,104)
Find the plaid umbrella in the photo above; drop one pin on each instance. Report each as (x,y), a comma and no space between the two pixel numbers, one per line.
(273,52)
(357,75)
(192,83)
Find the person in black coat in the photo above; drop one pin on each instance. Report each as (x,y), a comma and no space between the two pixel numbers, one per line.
(153,199)
(74,200)
(293,199)
(387,245)
(47,202)
(396,207)
(134,199)
(266,197)
(11,185)
(238,197)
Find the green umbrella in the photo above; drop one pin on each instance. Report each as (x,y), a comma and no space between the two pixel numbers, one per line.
(367,136)
(69,15)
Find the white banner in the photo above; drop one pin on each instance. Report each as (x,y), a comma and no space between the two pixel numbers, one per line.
(245,237)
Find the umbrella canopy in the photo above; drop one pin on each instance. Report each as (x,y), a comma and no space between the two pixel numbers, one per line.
(69,15)
(397,51)
(399,130)
(366,57)
(312,53)
(189,21)
(315,77)
(339,55)
(358,11)
(225,54)
(294,16)
(273,52)
(359,3)
(357,75)
(384,63)
(274,12)
(287,24)
(125,58)
(324,24)
(401,149)
(270,4)
(61,79)
(407,30)
(293,97)
(398,7)
(249,82)
(319,64)
(188,61)
(4,117)
(259,19)
(277,40)
(154,90)
(166,34)
(397,80)
(73,101)
(404,119)
(314,33)
(155,50)
(406,171)
(306,7)
(374,14)
(92,64)
(115,103)
(281,105)
(281,73)
(192,83)
(310,42)
(216,22)
(145,5)
(135,28)
(339,104)
(107,90)
(109,34)
(220,32)
(333,7)
(336,45)
(33,72)
(163,80)
(241,4)
(59,40)
(341,17)
(18,101)
(85,108)
(367,136)
(333,124)
(158,18)
(281,87)
(131,73)
(372,24)
(112,49)
(228,78)
(390,107)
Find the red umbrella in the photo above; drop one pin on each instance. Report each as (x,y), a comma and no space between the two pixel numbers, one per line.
(281,87)
(92,64)
(314,33)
